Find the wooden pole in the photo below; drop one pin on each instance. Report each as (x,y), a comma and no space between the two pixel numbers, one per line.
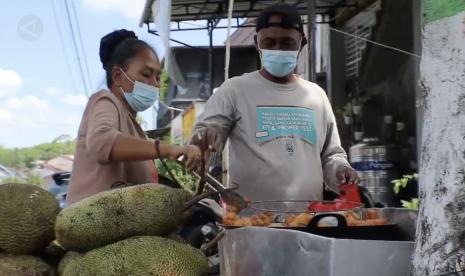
(311,41)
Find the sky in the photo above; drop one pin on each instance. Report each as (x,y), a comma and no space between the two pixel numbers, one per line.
(42,94)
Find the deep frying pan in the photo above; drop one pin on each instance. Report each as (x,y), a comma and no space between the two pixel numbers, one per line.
(386,232)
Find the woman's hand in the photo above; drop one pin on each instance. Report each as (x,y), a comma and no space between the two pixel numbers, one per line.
(192,155)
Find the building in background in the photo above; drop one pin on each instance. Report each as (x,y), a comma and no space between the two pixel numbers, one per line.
(6,173)
(59,164)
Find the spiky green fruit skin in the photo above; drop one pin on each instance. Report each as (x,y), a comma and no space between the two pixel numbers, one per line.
(27,218)
(176,237)
(24,265)
(69,256)
(143,255)
(114,215)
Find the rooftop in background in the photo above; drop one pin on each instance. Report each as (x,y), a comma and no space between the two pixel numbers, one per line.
(187,10)
(7,172)
(62,163)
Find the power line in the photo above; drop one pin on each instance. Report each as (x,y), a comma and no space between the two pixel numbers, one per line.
(62,40)
(375,43)
(76,18)
(81,70)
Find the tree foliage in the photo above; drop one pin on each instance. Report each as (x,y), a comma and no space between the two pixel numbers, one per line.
(24,158)
(402,183)
(164,84)
(33,179)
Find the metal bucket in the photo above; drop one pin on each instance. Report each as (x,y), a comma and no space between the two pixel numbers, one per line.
(376,166)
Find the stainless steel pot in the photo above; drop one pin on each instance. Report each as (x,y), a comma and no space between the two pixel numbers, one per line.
(377,166)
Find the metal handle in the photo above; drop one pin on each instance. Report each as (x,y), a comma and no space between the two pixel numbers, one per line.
(366,197)
(215,183)
(341,220)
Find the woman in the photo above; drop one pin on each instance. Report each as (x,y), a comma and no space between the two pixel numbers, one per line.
(111,146)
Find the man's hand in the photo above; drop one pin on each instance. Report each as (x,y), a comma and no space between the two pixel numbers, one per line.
(207,139)
(347,175)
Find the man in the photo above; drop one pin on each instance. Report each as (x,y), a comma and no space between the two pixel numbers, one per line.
(283,136)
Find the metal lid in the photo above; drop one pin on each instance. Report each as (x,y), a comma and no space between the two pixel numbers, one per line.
(368,149)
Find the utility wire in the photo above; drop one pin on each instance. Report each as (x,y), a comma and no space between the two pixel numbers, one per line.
(81,70)
(375,43)
(62,41)
(78,27)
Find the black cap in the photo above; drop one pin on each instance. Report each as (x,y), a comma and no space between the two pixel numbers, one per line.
(289,14)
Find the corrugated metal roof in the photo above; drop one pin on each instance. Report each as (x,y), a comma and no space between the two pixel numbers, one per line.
(185,10)
(61,163)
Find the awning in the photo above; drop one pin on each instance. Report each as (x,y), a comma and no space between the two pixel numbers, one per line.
(186,10)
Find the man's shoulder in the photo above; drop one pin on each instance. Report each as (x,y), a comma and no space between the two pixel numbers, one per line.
(311,87)
(244,79)
(239,84)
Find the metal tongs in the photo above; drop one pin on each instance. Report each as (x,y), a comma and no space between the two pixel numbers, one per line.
(227,195)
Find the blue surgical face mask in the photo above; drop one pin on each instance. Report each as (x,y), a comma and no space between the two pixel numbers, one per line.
(279,63)
(142,97)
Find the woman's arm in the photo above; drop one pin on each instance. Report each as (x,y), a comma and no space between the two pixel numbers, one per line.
(106,144)
(128,148)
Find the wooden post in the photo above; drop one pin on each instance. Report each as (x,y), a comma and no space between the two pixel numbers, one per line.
(311,40)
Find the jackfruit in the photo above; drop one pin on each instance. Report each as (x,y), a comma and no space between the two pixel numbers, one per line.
(176,237)
(114,215)
(27,216)
(23,265)
(143,255)
(70,255)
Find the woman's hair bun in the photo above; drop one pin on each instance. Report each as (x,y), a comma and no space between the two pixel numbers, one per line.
(109,42)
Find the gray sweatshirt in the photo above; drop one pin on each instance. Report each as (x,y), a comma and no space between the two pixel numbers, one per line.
(284,141)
